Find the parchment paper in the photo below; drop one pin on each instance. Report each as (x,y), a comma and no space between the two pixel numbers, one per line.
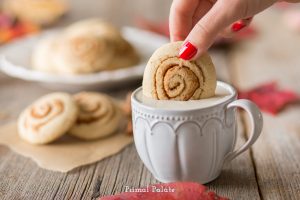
(66,153)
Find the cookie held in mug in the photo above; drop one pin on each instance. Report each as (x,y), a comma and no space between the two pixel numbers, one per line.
(99,116)
(167,77)
(47,119)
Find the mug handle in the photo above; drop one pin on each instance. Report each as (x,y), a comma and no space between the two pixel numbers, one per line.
(256,120)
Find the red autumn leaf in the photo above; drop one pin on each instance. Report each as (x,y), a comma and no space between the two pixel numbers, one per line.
(11,29)
(172,191)
(269,97)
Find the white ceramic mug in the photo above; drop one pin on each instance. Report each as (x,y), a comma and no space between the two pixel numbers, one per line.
(191,145)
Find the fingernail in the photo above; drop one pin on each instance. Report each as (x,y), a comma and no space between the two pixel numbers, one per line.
(187,51)
(237,26)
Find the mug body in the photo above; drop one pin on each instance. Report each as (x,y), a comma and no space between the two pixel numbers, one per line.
(184,145)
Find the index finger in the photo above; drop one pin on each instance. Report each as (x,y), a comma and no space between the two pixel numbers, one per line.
(181,18)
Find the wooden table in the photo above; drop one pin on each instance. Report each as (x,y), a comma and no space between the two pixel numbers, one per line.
(269,170)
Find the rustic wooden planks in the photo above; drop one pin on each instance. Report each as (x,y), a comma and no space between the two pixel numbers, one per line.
(273,55)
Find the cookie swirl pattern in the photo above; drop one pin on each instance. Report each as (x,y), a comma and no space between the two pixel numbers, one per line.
(47,119)
(99,116)
(167,77)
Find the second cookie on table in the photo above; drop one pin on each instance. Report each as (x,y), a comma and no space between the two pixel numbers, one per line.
(99,116)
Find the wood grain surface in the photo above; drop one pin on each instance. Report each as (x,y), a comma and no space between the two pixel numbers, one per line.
(270,170)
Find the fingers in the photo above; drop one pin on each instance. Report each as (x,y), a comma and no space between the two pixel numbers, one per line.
(205,31)
(221,15)
(203,7)
(181,16)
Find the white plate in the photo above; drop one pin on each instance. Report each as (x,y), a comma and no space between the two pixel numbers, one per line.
(15,62)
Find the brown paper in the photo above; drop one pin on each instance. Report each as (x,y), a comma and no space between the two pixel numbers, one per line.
(66,153)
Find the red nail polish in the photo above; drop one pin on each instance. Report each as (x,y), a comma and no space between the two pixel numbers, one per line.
(187,51)
(237,26)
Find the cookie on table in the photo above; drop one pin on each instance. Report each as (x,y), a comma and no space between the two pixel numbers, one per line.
(99,116)
(48,118)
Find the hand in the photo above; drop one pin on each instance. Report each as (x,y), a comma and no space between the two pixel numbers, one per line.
(198,22)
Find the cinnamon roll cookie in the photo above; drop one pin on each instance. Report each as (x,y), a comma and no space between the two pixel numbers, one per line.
(79,54)
(99,116)
(42,55)
(87,46)
(167,77)
(93,26)
(47,119)
(125,55)
(122,52)
(43,12)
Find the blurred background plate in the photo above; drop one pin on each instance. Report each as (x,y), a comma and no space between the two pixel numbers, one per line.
(15,61)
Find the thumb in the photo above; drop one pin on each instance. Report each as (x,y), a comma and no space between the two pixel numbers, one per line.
(206,30)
